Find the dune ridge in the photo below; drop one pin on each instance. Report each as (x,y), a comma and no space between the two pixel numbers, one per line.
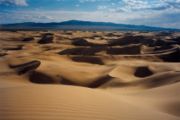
(81,75)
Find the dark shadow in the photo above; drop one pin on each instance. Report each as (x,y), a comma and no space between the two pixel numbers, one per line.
(143,71)
(65,81)
(23,68)
(127,40)
(40,78)
(173,56)
(81,51)
(28,39)
(99,82)
(20,47)
(46,38)
(80,42)
(88,59)
(125,50)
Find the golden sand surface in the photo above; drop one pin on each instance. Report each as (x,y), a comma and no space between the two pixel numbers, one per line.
(81,75)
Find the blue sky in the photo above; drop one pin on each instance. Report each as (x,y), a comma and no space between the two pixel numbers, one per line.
(163,13)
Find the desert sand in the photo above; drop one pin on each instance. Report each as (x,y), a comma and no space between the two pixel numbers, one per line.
(81,75)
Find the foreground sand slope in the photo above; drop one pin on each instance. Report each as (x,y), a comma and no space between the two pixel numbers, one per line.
(69,103)
(89,75)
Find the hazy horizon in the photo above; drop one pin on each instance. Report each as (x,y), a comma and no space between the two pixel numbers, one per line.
(159,13)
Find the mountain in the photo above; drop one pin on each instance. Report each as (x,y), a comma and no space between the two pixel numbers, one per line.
(81,25)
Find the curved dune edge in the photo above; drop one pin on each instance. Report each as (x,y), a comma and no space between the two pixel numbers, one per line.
(38,101)
(68,75)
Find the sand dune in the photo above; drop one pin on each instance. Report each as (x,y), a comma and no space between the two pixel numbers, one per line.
(75,75)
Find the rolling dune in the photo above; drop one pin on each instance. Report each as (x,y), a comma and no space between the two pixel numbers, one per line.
(76,75)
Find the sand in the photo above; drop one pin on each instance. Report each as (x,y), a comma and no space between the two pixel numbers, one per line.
(76,75)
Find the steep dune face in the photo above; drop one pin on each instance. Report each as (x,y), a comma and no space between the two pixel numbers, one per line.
(74,75)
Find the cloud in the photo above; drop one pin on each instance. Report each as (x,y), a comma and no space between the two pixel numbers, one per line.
(84,1)
(131,5)
(137,5)
(163,13)
(101,7)
(14,2)
(162,18)
(140,5)
(173,3)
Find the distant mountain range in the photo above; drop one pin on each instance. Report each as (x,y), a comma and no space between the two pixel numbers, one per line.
(81,25)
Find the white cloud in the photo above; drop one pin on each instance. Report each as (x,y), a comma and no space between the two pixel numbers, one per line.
(163,13)
(162,19)
(101,7)
(14,2)
(82,1)
(150,4)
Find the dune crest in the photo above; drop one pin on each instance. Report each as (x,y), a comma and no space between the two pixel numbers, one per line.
(76,75)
